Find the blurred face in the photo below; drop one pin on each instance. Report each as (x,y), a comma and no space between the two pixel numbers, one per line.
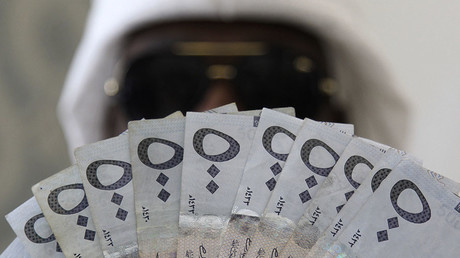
(200,65)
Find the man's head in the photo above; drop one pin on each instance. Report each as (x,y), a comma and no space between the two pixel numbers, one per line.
(155,57)
(199,65)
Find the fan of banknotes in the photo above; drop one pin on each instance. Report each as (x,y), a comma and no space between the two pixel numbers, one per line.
(225,183)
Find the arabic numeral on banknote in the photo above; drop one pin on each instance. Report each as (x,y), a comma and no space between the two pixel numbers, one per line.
(230,153)
(378,178)
(176,159)
(267,140)
(91,174)
(305,153)
(349,167)
(417,218)
(55,206)
(34,237)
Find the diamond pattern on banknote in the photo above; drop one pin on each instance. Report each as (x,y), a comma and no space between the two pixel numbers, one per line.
(271,184)
(393,222)
(163,195)
(212,187)
(276,168)
(305,196)
(117,198)
(213,170)
(162,179)
(90,235)
(121,214)
(311,181)
(82,221)
(338,208)
(457,208)
(349,194)
(382,236)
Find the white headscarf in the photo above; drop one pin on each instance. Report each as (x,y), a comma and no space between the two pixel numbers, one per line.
(366,90)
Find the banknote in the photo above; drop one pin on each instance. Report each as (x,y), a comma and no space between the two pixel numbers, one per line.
(390,160)
(353,166)
(63,201)
(106,174)
(380,171)
(258,183)
(314,153)
(34,232)
(286,110)
(15,250)
(229,108)
(270,147)
(156,148)
(409,215)
(216,147)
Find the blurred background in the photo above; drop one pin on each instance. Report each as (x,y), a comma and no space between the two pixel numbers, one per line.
(37,42)
(421,42)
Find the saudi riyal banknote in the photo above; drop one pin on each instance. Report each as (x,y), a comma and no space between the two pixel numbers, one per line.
(353,166)
(63,201)
(156,150)
(314,153)
(34,232)
(215,152)
(225,109)
(380,171)
(173,185)
(269,150)
(106,174)
(285,110)
(409,215)
(383,168)
(15,250)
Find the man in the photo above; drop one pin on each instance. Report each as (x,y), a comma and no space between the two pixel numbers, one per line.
(147,58)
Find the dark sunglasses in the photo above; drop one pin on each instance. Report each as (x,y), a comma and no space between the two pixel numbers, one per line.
(176,78)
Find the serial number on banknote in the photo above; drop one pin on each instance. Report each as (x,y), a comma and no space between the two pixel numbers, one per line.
(107,237)
(247,196)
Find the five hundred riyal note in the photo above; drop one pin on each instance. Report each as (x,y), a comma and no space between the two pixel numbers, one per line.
(63,202)
(15,250)
(105,170)
(271,145)
(216,147)
(173,185)
(353,166)
(314,153)
(156,156)
(32,229)
(409,215)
